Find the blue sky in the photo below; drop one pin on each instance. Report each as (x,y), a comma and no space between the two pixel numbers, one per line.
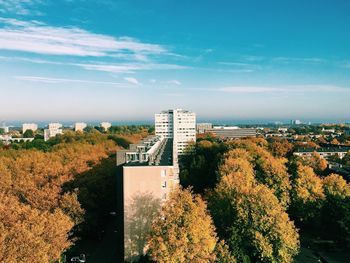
(125,60)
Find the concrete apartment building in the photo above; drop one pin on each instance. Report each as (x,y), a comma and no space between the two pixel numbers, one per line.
(29,126)
(105,125)
(180,125)
(204,127)
(232,132)
(80,126)
(325,152)
(53,130)
(149,173)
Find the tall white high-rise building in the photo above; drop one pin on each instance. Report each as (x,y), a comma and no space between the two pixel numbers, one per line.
(29,126)
(80,126)
(180,125)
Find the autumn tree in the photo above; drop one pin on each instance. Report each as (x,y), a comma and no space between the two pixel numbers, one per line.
(31,235)
(252,221)
(269,170)
(307,194)
(184,231)
(280,148)
(335,214)
(316,162)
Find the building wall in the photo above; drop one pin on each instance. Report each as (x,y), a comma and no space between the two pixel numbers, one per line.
(29,126)
(79,126)
(144,190)
(179,125)
(234,133)
(203,127)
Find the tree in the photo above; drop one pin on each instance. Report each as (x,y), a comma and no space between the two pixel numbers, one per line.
(280,148)
(316,162)
(31,235)
(249,217)
(307,195)
(223,254)
(346,159)
(199,168)
(335,186)
(28,134)
(335,214)
(335,141)
(184,232)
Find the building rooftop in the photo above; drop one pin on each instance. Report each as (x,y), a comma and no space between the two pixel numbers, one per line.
(324,149)
(151,151)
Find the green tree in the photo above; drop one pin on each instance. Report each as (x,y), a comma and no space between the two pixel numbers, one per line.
(184,232)
(200,166)
(28,134)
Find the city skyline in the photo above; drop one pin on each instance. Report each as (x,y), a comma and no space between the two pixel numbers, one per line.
(126,60)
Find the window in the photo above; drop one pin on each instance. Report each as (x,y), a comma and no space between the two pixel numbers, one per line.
(164,184)
(163,173)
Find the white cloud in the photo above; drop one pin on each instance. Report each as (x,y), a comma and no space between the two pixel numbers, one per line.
(36,37)
(128,67)
(299,60)
(132,80)
(246,89)
(284,89)
(19,7)
(64,80)
(174,82)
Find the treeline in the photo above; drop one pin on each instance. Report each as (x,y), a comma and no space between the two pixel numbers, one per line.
(52,193)
(249,201)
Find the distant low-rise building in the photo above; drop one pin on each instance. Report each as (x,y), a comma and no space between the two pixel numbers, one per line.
(7,139)
(6,129)
(29,126)
(80,126)
(324,152)
(296,122)
(105,125)
(281,129)
(328,130)
(233,132)
(347,132)
(204,127)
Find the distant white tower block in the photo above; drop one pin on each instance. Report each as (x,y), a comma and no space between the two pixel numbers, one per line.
(80,126)
(53,130)
(105,125)
(29,126)
(180,125)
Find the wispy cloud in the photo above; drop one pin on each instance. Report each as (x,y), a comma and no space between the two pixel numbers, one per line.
(37,37)
(64,80)
(19,7)
(132,80)
(174,82)
(284,89)
(299,60)
(129,67)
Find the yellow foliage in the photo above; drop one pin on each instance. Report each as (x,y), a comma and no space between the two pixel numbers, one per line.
(184,232)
